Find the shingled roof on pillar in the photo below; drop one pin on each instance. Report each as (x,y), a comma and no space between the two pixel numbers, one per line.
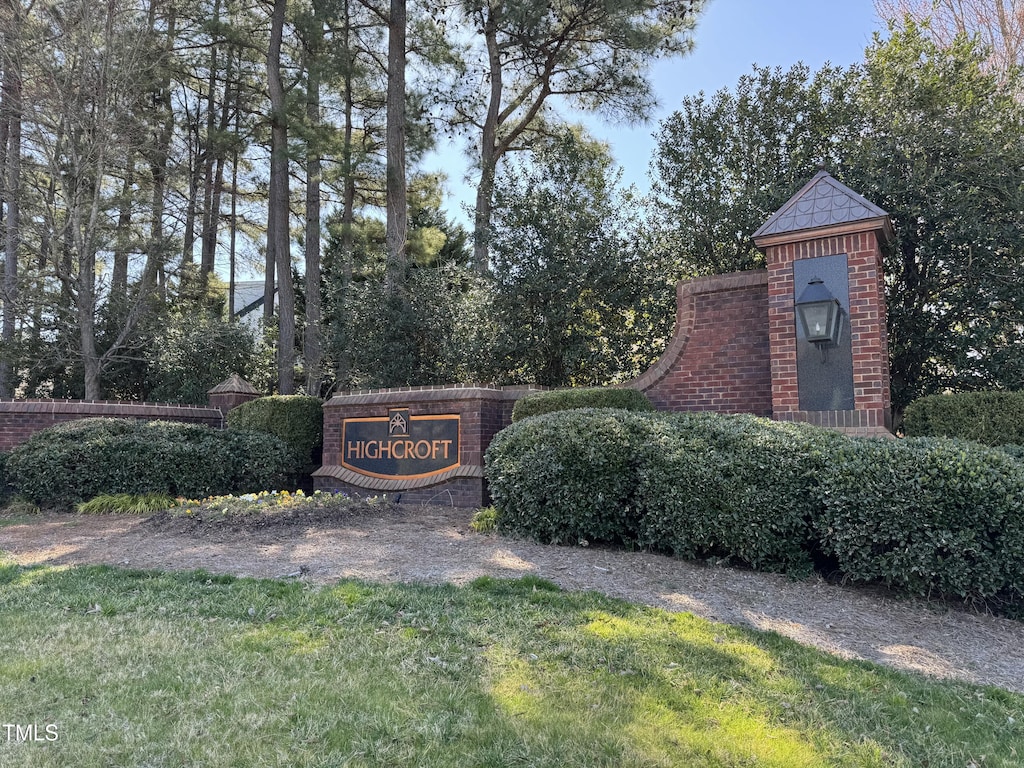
(822,203)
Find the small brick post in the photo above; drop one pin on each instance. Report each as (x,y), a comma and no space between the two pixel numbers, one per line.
(231,393)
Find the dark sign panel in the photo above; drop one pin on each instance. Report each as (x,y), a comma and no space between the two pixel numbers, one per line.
(400,446)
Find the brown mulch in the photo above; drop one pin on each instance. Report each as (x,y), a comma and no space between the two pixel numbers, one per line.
(435,545)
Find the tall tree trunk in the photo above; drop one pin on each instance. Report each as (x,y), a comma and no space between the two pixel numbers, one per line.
(396,195)
(277,217)
(488,150)
(233,239)
(119,276)
(210,157)
(311,343)
(11,116)
(158,250)
(343,364)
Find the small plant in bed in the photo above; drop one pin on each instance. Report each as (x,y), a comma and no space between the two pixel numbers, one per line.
(267,509)
(126,504)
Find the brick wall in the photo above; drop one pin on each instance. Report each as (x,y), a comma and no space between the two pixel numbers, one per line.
(482,411)
(20,419)
(719,358)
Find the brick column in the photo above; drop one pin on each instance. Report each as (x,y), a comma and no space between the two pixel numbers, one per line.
(827,219)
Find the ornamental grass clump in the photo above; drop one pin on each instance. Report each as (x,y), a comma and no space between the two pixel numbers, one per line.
(126,504)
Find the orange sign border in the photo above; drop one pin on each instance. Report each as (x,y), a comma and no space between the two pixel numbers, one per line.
(429,417)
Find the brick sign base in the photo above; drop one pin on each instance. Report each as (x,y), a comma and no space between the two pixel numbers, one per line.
(426,444)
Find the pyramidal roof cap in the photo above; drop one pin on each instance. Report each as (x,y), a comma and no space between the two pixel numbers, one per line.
(823,202)
(234,384)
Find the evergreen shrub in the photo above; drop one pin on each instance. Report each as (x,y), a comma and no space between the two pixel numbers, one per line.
(569,477)
(582,397)
(926,515)
(298,420)
(734,488)
(992,418)
(77,461)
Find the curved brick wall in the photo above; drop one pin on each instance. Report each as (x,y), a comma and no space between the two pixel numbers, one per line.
(20,419)
(719,358)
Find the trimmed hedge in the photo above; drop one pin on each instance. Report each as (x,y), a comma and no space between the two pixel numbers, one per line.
(77,461)
(992,418)
(4,487)
(927,516)
(298,420)
(582,397)
(734,488)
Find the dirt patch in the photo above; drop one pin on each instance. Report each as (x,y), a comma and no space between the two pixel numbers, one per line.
(435,545)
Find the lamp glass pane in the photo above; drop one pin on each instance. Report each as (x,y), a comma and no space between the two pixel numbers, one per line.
(816,320)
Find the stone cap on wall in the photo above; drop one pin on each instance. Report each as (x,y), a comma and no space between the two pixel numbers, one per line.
(108,408)
(822,204)
(439,392)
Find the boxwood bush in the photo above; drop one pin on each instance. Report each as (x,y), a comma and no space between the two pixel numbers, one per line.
(569,477)
(74,462)
(926,516)
(298,420)
(992,418)
(582,397)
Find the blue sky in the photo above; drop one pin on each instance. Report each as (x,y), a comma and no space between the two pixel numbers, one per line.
(731,36)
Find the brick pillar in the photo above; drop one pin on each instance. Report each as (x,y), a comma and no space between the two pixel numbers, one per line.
(826,219)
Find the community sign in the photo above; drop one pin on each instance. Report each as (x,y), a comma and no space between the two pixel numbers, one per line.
(400,446)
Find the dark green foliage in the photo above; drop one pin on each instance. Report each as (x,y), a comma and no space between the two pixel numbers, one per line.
(4,488)
(927,516)
(1014,450)
(582,397)
(735,488)
(577,296)
(569,477)
(80,460)
(695,485)
(298,420)
(992,418)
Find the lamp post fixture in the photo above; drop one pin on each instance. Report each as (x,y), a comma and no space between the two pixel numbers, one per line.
(820,314)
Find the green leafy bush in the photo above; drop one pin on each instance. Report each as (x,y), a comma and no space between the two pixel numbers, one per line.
(4,487)
(569,477)
(484,520)
(992,418)
(734,488)
(70,463)
(582,397)
(926,515)
(298,420)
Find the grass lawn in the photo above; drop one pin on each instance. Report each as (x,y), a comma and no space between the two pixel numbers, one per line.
(138,668)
